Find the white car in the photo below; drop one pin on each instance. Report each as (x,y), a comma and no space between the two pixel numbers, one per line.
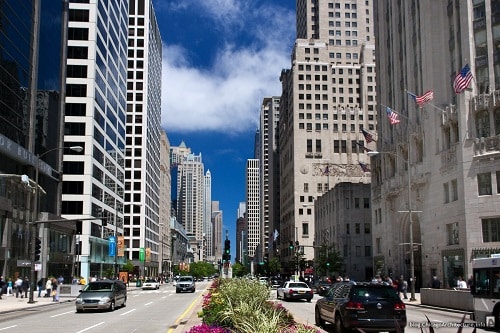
(291,290)
(151,284)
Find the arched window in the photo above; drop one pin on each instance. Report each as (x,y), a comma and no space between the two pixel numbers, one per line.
(482,124)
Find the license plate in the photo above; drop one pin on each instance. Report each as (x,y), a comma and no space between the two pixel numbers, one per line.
(301,292)
(183,288)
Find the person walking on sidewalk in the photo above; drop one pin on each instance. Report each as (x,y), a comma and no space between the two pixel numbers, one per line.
(9,288)
(55,297)
(2,286)
(25,287)
(39,286)
(18,285)
(48,287)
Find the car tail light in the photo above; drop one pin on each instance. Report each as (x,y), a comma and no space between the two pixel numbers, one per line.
(291,291)
(354,306)
(399,306)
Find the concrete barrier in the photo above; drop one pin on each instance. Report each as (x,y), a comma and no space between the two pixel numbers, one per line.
(447,298)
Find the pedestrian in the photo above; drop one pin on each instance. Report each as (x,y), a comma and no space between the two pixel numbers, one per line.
(25,285)
(9,288)
(436,284)
(60,279)
(39,286)
(2,285)
(403,287)
(55,297)
(18,285)
(461,284)
(48,287)
(470,283)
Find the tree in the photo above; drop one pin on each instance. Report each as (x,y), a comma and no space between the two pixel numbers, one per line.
(128,267)
(239,270)
(274,266)
(328,260)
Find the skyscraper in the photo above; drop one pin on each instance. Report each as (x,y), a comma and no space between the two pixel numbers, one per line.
(254,225)
(439,166)
(95,118)
(142,162)
(328,97)
(190,193)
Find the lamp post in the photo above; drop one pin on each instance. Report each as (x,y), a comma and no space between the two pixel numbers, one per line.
(34,230)
(410,211)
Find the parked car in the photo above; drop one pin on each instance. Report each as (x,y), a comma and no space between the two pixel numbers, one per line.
(367,306)
(185,283)
(291,290)
(151,284)
(102,295)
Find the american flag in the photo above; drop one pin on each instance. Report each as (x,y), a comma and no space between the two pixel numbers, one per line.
(393,116)
(368,136)
(364,167)
(425,98)
(421,100)
(462,80)
(363,147)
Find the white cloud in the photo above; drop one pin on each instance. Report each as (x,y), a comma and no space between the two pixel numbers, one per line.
(226,96)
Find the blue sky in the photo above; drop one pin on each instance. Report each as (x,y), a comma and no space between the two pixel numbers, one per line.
(220,59)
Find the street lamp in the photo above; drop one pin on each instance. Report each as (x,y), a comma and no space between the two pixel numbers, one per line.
(34,232)
(410,211)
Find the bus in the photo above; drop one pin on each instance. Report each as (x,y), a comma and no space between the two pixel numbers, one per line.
(486,291)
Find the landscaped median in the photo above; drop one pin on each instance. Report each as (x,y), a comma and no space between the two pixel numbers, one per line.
(243,306)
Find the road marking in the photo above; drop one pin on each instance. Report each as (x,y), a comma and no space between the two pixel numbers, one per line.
(57,315)
(91,327)
(181,317)
(6,328)
(148,303)
(131,310)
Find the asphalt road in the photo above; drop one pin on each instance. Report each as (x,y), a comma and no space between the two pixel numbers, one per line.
(146,311)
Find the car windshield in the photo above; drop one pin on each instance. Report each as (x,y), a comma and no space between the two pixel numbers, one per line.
(99,287)
(378,293)
(187,279)
(150,281)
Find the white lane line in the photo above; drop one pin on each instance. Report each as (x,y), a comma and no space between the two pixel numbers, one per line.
(57,315)
(148,303)
(6,328)
(91,327)
(126,313)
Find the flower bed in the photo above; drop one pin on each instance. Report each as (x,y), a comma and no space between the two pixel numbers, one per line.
(242,306)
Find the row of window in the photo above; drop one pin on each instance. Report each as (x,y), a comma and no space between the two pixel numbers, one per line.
(343,116)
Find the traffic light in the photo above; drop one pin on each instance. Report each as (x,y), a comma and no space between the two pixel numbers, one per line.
(291,245)
(38,249)
(226,256)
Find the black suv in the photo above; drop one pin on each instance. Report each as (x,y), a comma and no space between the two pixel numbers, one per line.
(368,306)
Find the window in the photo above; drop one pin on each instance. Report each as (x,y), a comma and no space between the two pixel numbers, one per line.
(357,228)
(305,229)
(483,124)
(306,187)
(367,228)
(491,230)
(484,183)
(454,190)
(446,193)
(452,232)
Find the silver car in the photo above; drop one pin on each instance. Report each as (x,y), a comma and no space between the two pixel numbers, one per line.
(102,295)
